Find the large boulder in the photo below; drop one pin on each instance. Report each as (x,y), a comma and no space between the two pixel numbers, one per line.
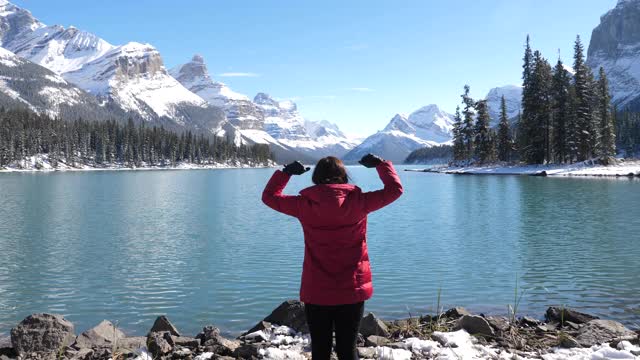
(371,325)
(212,341)
(290,313)
(104,334)
(600,331)
(163,324)
(159,343)
(559,315)
(42,334)
(476,325)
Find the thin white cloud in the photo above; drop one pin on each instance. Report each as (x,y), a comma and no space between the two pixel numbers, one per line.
(238,74)
(362,89)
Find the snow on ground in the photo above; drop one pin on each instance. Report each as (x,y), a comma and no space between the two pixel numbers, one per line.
(458,345)
(42,163)
(624,168)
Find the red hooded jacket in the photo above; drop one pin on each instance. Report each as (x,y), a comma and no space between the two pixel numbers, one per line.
(336,266)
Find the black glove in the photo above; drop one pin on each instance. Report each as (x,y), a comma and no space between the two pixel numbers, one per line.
(370,161)
(295,168)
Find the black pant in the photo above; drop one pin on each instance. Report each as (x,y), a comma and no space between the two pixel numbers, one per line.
(322,320)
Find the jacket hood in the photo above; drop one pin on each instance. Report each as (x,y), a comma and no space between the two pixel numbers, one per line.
(330,194)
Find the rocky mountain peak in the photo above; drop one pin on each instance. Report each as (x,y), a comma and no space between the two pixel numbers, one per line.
(615,46)
(197,59)
(265,99)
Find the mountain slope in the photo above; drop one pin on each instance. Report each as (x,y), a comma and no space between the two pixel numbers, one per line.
(427,126)
(133,77)
(25,84)
(240,111)
(615,45)
(513,99)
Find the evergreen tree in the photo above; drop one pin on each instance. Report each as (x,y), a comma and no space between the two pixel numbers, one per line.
(561,92)
(482,136)
(468,126)
(536,126)
(458,138)
(607,140)
(504,142)
(585,132)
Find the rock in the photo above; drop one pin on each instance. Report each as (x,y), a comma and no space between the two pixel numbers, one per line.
(262,325)
(163,324)
(290,313)
(42,334)
(246,351)
(371,325)
(374,340)
(184,341)
(529,321)
(572,325)
(456,312)
(476,325)
(399,345)
(159,343)
(568,341)
(132,344)
(83,354)
(103,335)
(600,331)
(214,342)
(182,353)
(499,323)
(207,333)
(556,314)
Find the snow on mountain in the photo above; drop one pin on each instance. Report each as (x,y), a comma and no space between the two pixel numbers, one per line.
(240,111)
(513,99)
(133,76)
(615,45)
(25,84)
(427,126)
(281,119)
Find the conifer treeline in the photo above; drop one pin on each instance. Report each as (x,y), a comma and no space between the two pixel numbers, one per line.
(102,143)
(565,118)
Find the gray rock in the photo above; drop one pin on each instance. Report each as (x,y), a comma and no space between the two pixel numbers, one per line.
(42,334)
(572,325)
(163,324)
(132,344)
(374,340)
(529,321)
(555,314)
(499,323)
(398,345)
(568,341)
(476,325)
(208,332)
(371,325)
(600,331)
(290,313)
(366,352)
(218,344)
(456,312)
(246,351)
(262,325)
(104,334)
(185,341)
(159,343)
(83,354)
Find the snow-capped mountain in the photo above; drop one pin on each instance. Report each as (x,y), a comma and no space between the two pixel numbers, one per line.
(133,76)
(31,86)
(55,47)
(513,99)
(240,111)
(615,45)
(427,126)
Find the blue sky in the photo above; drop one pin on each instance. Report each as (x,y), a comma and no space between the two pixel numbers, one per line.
(355,63)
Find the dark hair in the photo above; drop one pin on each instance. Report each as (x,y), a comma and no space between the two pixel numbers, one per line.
(330,170)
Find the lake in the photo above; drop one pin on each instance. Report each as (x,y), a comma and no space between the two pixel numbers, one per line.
(200,247)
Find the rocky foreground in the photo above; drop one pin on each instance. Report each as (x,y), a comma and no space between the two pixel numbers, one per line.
(454,334)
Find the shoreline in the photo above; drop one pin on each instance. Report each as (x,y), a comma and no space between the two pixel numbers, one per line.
(624,169)
(41,164)
(451,334)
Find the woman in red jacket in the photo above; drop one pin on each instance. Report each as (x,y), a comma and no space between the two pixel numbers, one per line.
(336,275)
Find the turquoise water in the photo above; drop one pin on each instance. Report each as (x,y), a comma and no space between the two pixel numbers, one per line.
(201,247)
